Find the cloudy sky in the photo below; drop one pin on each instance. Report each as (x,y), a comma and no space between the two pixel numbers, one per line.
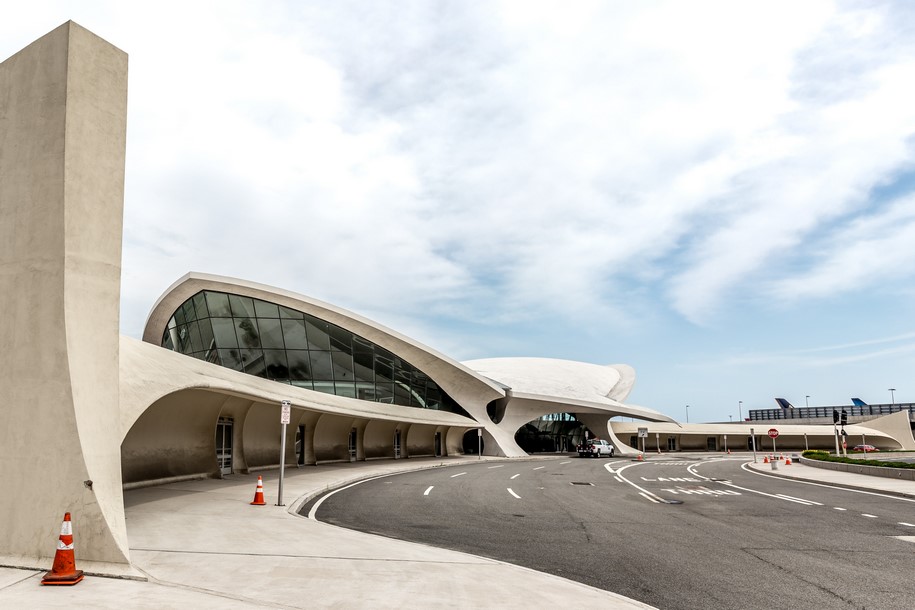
(720,194)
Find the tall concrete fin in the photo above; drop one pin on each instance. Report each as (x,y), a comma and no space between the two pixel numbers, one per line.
(63,114)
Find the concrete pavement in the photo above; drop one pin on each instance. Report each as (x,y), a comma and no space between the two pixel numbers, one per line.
(202,545)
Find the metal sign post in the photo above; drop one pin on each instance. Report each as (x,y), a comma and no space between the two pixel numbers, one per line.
(480,443)
(725,443)
(657,438)
(773,433)
(753,439)
(285,410)
(643,435)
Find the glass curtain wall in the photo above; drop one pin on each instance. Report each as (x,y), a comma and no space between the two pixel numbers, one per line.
(289,346)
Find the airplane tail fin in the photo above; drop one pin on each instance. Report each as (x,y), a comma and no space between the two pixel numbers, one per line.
(784,404)
(858,402)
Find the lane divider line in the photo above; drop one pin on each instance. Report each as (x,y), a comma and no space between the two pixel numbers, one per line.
(649,498)
(839,508)
(539,467)
(907,524)
(515,476)
(643,492)
(787,497)
(499,466)
(868,516)
(426,493)
(458,474)
(561,463)
(513,493)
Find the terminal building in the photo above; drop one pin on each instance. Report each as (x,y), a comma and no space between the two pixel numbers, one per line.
(88,413)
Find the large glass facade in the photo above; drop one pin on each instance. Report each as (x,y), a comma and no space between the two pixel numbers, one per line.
(289,346)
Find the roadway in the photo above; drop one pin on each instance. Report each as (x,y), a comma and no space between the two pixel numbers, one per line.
(682,532)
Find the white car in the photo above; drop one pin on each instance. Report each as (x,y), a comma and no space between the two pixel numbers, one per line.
(595,448)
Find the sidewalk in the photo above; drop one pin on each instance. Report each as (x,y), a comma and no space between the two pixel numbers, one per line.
(203,546)
(861,482)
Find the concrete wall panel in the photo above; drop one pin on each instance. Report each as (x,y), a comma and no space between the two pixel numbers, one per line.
(63,109)
(332,437)
(175,437)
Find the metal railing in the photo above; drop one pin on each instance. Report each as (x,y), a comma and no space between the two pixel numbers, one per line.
(814,412)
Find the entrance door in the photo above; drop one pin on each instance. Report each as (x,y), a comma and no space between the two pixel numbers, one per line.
(671,443)
(352,445)
(397,444)
(711,443)
(224,445)
(438,444)
(300,446)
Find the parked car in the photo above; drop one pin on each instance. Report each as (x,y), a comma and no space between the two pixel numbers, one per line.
(865,448)
(595,447)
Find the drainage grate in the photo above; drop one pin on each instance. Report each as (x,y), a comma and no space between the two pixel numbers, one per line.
(582,483)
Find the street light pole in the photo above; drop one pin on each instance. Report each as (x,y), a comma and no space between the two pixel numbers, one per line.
(687,413)
(893,395)
(807,400)
(740,409)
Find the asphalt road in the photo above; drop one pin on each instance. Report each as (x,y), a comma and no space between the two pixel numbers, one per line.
(682,532)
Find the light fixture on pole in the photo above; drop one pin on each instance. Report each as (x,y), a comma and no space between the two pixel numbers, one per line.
(893,395)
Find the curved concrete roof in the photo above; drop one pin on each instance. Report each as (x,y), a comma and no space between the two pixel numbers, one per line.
(468,388)
(591,387)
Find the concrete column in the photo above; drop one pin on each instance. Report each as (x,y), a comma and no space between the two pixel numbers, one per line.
(63,111)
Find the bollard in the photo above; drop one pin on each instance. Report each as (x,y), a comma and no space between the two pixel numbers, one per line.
(774,464)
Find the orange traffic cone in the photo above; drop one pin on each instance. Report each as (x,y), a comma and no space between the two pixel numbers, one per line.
(641,459)
(788,461)
(259,493)
(765,459)
(64,571)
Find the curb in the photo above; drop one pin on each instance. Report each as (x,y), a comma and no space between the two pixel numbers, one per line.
(779,474)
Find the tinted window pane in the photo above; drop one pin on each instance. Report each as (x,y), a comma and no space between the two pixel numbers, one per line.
(345,389)
(317,337)
(263,309)
(384,392)
(343,366)
(401,395)
(340,339)
(271,333)
(299,365)
(218,305)
(324,386)
(294,334)
(167,340)
(383,369)
(200,305)
(242,307)
(246,329)
(224,330)
(253,359)
(206,334)
(302,384)
(276,364)
(230,359)
(188,309)
(179,317)
(321,368)
(196,342)
(363,367)
(285,312)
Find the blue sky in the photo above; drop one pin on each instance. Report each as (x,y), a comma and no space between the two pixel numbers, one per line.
(720,194)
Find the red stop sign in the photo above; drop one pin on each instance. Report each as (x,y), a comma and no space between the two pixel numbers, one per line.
(773,433)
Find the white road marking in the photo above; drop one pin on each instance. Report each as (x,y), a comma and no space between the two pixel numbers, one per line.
(905,538)
(515,476)
(762,493)
(868,516)
(458,474)
(907,524)
(569,462)
(837,508)
(499,466)
(539,467)
(647,497)
(314,507)
(513,493)
(787,497)
(644,492)
(618,478)
(426,493)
